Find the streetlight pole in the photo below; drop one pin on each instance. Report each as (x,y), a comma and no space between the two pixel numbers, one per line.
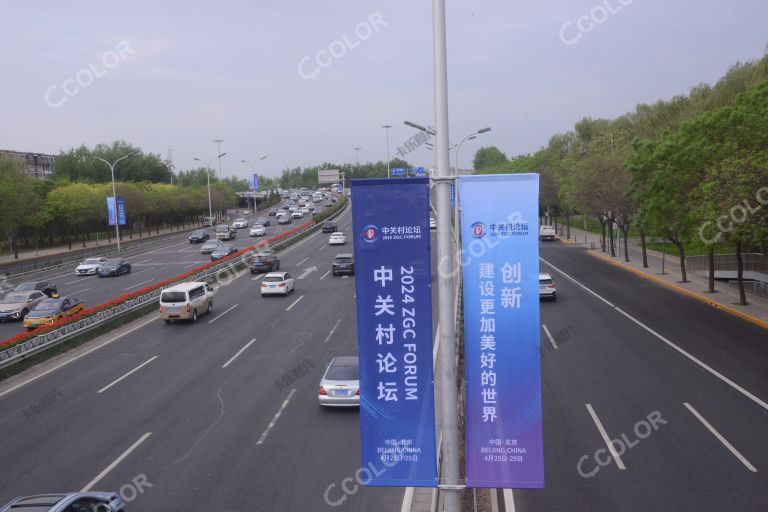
(470,136)
(386,128)
(218,145)
(252,164)
(114,192)
(357,153)
(447,350)
(208,175)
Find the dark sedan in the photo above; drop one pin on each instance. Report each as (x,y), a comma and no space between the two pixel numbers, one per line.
(198,237)
(46,287)
(263,221)
(222,251)
(329,227)
(114,267)
(343,264)
(264,262)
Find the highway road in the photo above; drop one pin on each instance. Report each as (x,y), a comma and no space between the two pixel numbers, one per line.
(199,416)
(149,264)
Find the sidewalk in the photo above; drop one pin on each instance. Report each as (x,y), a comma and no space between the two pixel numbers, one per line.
(725,297)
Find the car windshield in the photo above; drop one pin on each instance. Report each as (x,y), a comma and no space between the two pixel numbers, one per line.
(343,260)
(111,263)
(48,305)
(342,373)
(546,281)
(198,233)
(173,297)
(14,298)
(91,261)
(222,229)
(273,279)
(25,287)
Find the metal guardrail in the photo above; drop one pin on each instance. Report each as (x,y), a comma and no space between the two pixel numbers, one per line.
(756,287)
(753,261)
(55,337)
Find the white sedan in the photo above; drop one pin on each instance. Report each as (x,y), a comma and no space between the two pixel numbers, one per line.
(296,214)
(258,230)
(240,224)
(277,283)
(89,267)
(337,238)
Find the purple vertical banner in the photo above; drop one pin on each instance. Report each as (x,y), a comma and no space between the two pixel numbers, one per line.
(390,230)
(499,233)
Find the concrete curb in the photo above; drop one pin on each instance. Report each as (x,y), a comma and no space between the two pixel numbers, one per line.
(680,289)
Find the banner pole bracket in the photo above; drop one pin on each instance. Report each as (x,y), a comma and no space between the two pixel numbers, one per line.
(451,487)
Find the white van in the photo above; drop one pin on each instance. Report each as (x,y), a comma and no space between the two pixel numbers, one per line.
(186,301)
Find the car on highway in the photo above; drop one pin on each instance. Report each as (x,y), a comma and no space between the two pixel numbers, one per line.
(71,502)
(114,267)
(186,301)
(89,266)
(264,221)
(305,210)
(547,288)
(209,246)
(343,264)
(311,206)
(277,283)
(46,287)
(264,262)
(340,385)
(16,305)
(222,251)
(285,207)
(547,233)
(240,223)
(258,230)
(284,219)
(337,238)
(272,212)
(208,222)
(297,214)
(329,227)
(198,237)
(225,232)
(328,203)
(292,208)
(49,310)
(432,223)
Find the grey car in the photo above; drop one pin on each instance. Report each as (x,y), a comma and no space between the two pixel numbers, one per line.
(16,305)
(222,251)
(73,502)
(340,385)
(209,246)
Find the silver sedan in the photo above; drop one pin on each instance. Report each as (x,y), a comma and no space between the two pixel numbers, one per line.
(340,385)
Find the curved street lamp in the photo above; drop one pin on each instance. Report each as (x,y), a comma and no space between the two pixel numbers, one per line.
(208,175)
(114,192)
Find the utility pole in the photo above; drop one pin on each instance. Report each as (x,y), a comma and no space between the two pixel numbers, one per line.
(218,145)
(387,127)
(447,350)
(357,152)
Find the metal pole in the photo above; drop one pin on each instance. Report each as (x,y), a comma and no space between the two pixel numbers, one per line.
(114,198)
(386,128)
(210,209)
(447,368)
(218,145)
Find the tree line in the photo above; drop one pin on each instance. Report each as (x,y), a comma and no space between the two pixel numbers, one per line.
(692,170)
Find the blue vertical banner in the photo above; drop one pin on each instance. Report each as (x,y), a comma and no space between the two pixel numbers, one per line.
(121,211)
(254,183)
(390,222)
(499,234)
(111,211)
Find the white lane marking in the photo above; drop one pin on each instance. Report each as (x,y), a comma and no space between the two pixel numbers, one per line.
(117,461)
(75,358)
(605,437)
(142,365)
(595,294)
(551,339)
(702,364)
(332,331)
(142,271)
(138,284)
(294,349)
(670,344)
(222,314)
(294,303)
(346,228)
(509,500)
(79,279)
(345,276)
(239,352)
(276,417)
(302,261)
(144,261)
(325,275)
(192,264)
(720,438)
(78,291)
(322,248)
(257,277)
(407,500)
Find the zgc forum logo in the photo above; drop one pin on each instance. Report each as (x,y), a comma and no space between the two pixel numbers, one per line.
(478,229)
(370,233)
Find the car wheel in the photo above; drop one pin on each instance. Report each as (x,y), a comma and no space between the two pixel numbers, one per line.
(278,265)
(194,315)
(167,320)
(23,313)
(210,306)
(554,298)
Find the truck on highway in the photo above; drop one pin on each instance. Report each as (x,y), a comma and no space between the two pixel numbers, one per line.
(547,233)
(225,232)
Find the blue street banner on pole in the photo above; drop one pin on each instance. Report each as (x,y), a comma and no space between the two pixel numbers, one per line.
(254,183)
(121,211)
(499,232)
(111,211)
(397,171)
(390,226)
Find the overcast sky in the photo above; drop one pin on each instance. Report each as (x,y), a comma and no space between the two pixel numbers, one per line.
(305,81)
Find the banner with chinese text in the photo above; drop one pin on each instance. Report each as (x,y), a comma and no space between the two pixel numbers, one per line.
(499,233)
(390,230)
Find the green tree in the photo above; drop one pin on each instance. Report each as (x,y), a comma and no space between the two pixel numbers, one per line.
(487,157)
(17,200)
